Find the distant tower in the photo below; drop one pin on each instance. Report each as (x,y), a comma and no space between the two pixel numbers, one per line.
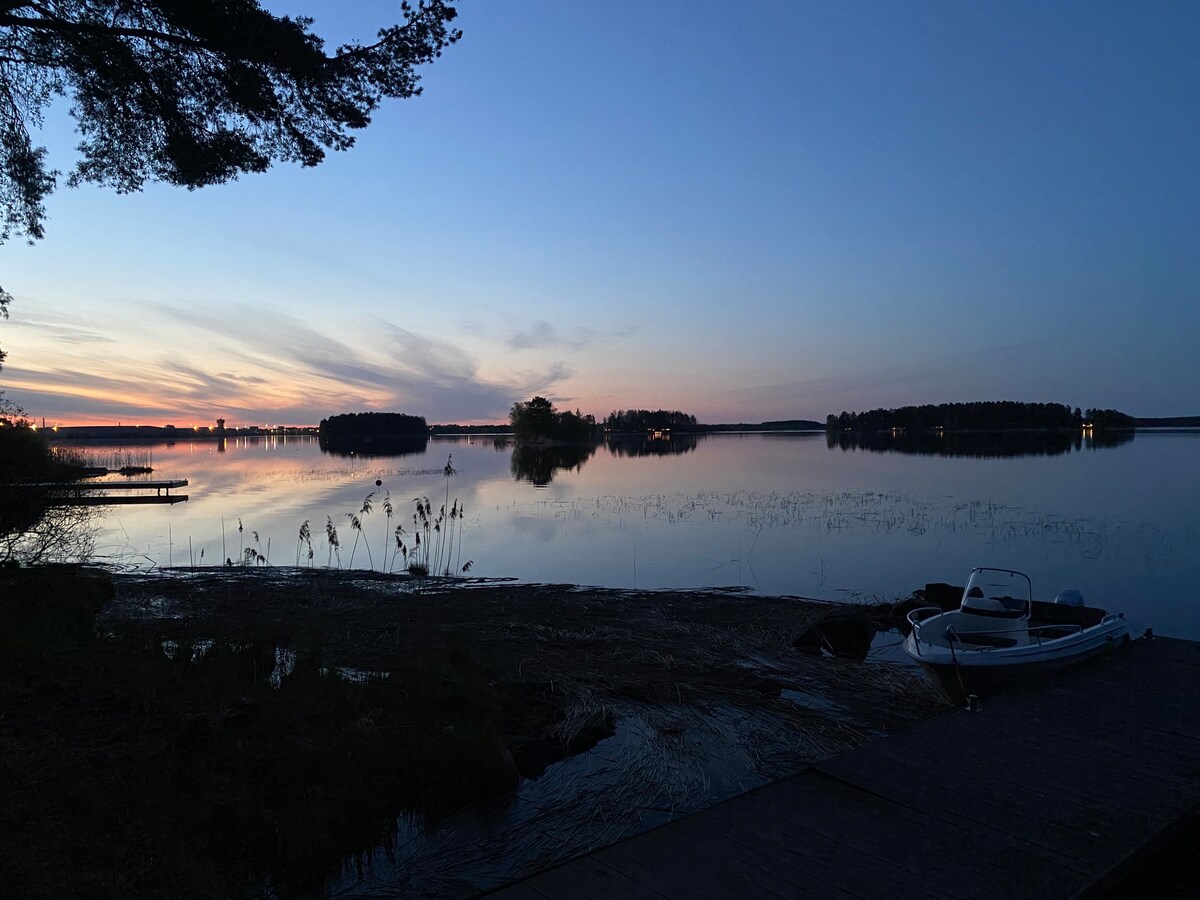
(220,426)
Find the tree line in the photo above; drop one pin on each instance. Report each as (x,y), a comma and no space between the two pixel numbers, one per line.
(539,419)
(632,421)
(987,415)
(373,424)
(1109,418)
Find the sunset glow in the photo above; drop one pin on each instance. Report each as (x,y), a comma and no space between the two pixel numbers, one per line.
(867,205)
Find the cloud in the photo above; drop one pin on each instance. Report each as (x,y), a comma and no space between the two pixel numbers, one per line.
(254,364)
(542,334)
(62,329)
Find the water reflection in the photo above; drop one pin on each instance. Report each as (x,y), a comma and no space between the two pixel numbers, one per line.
(658,444)
(405,445)
(780,514)
(976,445)
(538,465)
(38,527)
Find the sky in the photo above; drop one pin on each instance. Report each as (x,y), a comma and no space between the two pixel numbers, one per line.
(749,212)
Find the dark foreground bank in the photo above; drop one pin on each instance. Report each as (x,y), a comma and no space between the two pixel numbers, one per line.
(247,733)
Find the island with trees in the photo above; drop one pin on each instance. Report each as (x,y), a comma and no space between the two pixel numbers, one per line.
(982,430)
(538,420)
(981,416)
(373,433)
(640,421)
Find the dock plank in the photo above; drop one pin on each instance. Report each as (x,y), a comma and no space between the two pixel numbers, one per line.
(812,856)
(607,881)
(1054,789)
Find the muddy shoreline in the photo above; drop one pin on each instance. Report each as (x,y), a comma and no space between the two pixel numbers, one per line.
(262,727)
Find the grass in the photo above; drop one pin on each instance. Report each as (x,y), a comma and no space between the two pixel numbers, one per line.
(138,461)
(194,775)
(435,540)
(240,760)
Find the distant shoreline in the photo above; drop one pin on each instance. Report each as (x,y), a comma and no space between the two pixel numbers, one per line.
(129,434)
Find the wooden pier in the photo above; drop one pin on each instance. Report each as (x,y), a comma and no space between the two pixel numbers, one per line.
(1057,789)
(109,493)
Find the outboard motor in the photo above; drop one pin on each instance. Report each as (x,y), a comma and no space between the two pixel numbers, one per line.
(1069,597)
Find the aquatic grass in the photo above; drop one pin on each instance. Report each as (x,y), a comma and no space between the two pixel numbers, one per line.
(433,540)
(448,472)
(331,538)
(304,538)
(422,524)
(685,679)
(400,549)
(461,519)
(450,535)
(356,526)
(260,557)
(120,460)
(202,754)
(387,511)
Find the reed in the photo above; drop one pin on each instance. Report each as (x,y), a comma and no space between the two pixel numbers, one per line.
(400,549)
(331,537)
(387,511)
(121,460)
(356,526)
(304,536)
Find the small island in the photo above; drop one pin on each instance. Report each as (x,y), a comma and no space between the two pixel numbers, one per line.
(374,433)
(982,416)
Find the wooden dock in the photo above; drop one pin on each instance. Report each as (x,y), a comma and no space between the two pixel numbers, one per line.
(1057,789)
(108,493)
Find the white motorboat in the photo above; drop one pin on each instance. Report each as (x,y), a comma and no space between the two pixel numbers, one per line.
(1000,633)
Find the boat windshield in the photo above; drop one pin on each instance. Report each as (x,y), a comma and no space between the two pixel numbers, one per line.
(1001,589)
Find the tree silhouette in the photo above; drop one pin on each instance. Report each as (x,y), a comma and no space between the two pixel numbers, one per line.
(189,92)
(538,418)
(535,418)
(5,297)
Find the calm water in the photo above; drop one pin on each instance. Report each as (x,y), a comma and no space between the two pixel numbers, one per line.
(781,514)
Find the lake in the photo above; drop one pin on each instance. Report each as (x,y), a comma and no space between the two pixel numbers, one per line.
(776,513)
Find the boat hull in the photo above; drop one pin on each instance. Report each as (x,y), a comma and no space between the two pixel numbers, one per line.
(959,682)
(962,672)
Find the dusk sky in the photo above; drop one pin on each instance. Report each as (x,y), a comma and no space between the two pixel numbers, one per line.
(751,211)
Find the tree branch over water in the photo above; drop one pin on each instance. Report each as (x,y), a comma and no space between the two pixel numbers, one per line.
(189,92)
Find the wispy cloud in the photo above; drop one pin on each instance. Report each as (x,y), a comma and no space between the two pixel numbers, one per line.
(254,363)
(63,329)
(542,334)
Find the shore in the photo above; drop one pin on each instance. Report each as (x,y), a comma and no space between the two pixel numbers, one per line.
(204,733)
